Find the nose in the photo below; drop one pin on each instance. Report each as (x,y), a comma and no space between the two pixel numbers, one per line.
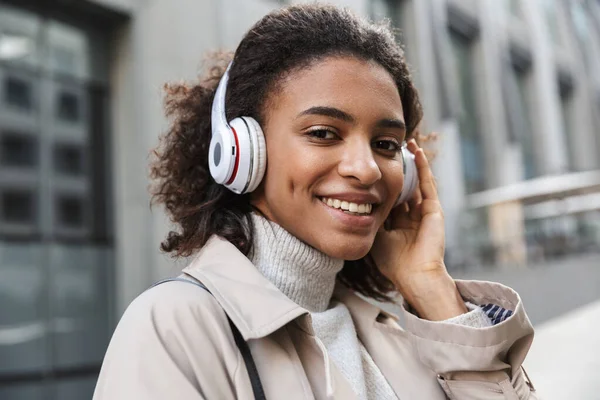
(358,163)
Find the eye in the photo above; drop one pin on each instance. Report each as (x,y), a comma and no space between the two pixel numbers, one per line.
(323,134)
(390,146)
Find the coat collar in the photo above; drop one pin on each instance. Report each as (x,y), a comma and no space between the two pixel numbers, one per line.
(252,302)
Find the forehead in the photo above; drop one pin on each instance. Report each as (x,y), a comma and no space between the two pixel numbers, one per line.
(345,82)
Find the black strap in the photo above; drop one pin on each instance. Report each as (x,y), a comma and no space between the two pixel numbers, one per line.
(257,388)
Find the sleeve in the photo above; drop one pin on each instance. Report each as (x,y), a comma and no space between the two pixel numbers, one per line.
(495,313)
(481,316)
(173,342)
(477,362)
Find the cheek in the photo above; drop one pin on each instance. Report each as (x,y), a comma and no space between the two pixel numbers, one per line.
(295,168)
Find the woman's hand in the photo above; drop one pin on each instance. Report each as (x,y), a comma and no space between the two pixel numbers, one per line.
(410,250)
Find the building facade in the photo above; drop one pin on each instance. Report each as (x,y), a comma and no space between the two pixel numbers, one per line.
(511,86)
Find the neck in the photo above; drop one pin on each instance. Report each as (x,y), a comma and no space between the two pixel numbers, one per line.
(301,272)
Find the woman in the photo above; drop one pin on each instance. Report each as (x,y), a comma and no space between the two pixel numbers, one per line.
(284,260)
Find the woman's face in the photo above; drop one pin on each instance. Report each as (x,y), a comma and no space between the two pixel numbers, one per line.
(334,168)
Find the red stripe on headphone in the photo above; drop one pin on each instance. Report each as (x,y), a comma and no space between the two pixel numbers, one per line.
(237,158)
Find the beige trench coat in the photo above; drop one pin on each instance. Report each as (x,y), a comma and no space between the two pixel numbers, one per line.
(174,342)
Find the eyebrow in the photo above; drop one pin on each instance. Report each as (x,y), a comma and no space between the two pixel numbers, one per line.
(336,113)
(391,123)
(329,112)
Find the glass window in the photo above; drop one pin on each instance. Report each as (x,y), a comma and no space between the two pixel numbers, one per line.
(18,206)
(68,107)
(73,388)
(580,20)
(18,149)
(78,289)
(470,137)
(18,93)
(70,211)
(517,104)
(68,50)
(19,32)
(566,87)
(582,26)
(525,127)
(69,159)
(23,339)
(24,392)
(552,20)
(566,114)
(15,47)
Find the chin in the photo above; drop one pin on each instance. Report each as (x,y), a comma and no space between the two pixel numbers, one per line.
(349,249)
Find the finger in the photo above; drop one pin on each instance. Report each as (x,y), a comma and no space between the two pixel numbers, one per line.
(412,146)
(417,197)
(415,210)
(426,179)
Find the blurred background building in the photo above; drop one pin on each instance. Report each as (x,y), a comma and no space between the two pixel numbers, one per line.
(512,86)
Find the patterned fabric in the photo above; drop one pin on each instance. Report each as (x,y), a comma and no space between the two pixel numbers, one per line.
(495,313)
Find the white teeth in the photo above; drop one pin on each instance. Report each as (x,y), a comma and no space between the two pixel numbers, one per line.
(348,206)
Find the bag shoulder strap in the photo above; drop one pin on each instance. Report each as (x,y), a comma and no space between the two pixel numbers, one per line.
(257,388)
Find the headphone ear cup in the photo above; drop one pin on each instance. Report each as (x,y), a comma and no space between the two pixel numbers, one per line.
(411,177)
(259,150)
(221,162)
(243,157)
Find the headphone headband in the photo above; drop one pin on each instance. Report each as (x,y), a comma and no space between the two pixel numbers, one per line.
(218,116)
(223,152)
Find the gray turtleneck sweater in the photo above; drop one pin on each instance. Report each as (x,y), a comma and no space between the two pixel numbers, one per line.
(307,276)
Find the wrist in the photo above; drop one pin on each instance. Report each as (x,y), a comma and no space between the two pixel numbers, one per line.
(432,295)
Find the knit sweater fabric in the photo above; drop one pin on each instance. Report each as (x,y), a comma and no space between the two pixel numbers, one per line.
(307,277)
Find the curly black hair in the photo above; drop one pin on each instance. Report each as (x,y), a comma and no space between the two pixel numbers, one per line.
(282,42)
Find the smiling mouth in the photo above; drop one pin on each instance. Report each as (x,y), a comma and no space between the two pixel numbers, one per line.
(348,207)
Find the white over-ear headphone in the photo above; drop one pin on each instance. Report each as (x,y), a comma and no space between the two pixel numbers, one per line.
(411,177)
(237,155)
